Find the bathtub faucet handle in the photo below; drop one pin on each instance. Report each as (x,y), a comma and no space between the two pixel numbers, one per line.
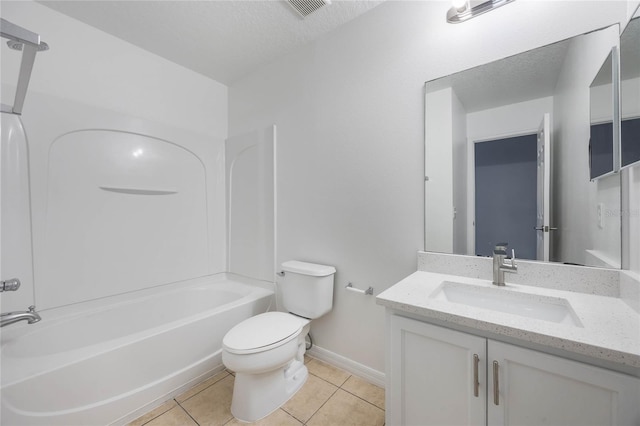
(9,285)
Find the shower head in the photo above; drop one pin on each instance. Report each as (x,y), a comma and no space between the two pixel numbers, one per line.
(17,45)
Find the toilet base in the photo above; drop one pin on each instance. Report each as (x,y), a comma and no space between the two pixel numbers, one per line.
(255,396)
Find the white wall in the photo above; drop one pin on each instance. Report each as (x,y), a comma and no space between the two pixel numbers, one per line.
(630,99)
(630,108)
(631,178)
(508,120)
(460,178)
(439,170)
(350,115)
(631,181)
(575,196)
(94,68)
(601,103)
(446,167)
(91,80)
(632,9)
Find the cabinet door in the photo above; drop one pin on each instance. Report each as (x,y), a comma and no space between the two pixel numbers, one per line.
(431,375)
(540,389)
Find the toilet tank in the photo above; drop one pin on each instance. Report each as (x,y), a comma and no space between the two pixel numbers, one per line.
(307,288)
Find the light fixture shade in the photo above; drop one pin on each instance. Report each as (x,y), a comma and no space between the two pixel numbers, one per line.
(460,5)
(462,12)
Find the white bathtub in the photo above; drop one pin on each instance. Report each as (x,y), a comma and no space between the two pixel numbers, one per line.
(107,361)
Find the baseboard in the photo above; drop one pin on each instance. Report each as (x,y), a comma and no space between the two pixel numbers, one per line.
(369,374)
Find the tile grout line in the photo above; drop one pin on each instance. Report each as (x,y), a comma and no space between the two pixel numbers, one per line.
(201,390)
(362,399)
(320,407)
(330,396)
(347,391)
(341,387)
(186,411)
(314,413)
(155,417)
(358,396)
(337,387)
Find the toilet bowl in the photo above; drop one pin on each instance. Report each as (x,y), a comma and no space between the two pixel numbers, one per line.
(267,354)
(267,351)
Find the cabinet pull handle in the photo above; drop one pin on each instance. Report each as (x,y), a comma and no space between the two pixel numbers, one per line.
(496,389)
(476,383)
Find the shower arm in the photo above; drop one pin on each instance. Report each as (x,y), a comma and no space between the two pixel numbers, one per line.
(30,44)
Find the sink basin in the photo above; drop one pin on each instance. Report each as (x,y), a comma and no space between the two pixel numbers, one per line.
(544,308)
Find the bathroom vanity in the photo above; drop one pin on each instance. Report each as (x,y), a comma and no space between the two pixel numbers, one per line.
(558,344)
(463,351)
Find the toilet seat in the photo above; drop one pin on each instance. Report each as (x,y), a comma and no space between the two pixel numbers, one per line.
(263,332)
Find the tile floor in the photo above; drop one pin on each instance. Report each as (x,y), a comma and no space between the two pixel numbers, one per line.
(330,396)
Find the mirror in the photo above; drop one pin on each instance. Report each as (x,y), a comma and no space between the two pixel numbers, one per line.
(507,158)
(603,153)
(630,93)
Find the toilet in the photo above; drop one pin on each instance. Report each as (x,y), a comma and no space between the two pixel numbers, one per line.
(266,351)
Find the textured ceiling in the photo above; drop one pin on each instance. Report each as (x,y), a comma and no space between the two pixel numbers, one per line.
(224,40)
(531,75)
(526,76)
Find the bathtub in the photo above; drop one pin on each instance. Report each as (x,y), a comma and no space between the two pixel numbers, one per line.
(108,361)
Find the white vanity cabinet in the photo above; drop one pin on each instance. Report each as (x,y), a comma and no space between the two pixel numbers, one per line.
(438,376)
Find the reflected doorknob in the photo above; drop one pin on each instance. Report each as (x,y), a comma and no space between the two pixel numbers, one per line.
(545,228)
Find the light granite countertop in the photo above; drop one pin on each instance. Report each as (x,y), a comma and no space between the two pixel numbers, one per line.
(609,333)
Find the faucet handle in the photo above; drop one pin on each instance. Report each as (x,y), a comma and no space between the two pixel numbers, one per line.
(9,285)
(513,260)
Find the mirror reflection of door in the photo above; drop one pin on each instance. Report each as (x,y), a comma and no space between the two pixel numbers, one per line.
(506,194)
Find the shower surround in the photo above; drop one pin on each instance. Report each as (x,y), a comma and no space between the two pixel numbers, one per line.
(151,242)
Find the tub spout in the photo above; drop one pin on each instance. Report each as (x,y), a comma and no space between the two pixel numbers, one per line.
(31,316)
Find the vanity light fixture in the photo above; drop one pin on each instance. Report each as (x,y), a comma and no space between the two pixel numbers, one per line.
(460,5)
(461,10)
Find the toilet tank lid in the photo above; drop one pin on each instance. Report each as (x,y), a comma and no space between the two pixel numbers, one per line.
(306,268)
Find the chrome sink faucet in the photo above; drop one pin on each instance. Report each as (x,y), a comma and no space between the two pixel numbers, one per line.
(31,316)
(500,264)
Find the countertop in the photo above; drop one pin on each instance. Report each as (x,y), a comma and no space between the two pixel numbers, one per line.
(610,329)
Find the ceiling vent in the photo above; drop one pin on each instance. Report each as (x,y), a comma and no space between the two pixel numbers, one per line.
(307,7)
